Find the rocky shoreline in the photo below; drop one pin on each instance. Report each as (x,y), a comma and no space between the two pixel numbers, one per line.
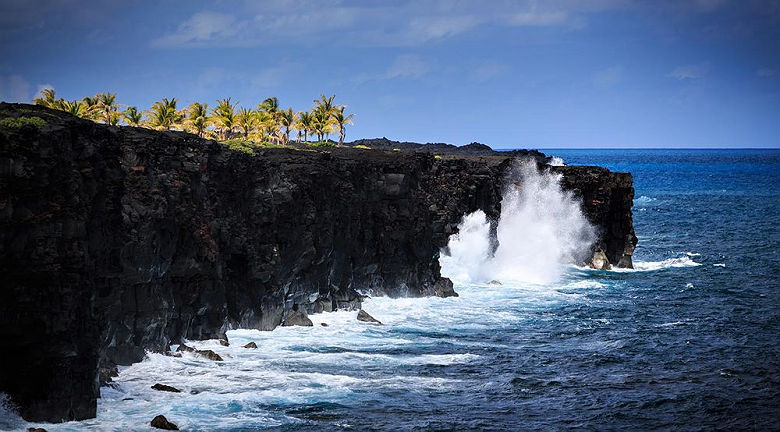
(118,240)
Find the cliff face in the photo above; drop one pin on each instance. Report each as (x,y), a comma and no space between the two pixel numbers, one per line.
(114,241)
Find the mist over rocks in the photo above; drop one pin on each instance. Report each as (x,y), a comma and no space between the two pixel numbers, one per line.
(119,240)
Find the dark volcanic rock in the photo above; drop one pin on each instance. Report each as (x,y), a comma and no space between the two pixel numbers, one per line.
(443,288)
(119,240)
(209,354)
(250,345)
(106,372)
(365,317)
(473,149)
(163,387)
(160,422)
(297,318)
(185,348)
(36,430)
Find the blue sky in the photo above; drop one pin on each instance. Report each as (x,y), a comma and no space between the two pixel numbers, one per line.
(509,73)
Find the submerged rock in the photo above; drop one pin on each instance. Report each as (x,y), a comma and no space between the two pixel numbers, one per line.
(223,340)
(160,422)
(297,318)
(324,324)
(167,388)
(36,430)
(250,345)
(209,354)
(365,317)
(495,282)
(184,348)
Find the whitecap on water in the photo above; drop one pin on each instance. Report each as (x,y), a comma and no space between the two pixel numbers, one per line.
(664,264)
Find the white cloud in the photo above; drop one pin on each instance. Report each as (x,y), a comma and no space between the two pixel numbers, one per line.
(396,23)
(688,72)
(202,28)
(766,72)
(424,29)
(609,76)
(14,88)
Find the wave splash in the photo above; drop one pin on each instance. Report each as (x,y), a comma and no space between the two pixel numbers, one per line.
(540,230)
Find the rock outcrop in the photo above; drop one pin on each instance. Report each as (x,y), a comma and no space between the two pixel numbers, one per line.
(117,240)
(363,316)
(160,422)
(166,388)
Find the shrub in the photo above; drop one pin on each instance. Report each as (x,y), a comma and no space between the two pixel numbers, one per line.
(241,145)
(361,146)
(20,122)
(322,144)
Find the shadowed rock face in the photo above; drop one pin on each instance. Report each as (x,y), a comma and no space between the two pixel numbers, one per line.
(118,240)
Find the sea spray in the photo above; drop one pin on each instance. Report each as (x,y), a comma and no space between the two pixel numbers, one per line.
(541,228)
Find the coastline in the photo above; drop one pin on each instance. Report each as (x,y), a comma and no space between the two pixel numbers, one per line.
(123,240)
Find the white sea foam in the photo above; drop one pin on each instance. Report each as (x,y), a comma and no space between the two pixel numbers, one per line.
(663,264)
(556,161)
(644,199)
(541,228)
(719,265)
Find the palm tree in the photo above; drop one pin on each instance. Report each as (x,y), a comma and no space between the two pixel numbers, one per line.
(321,123)
(341,121)
(92,107)
(163,114)
(325,104)
(287,120)
(106,105)
(246,121)
(114,118)
(48,99)
(77,108)
(270,105)
(132,116)
(198,117)
(304,124)
(269,111)
(324,110)
(224,118)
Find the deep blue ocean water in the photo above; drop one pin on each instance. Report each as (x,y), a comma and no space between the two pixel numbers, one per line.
(689,341)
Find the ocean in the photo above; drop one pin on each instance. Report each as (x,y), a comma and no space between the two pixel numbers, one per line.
(688,340)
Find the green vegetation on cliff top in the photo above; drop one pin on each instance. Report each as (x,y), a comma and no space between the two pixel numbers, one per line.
(240,128)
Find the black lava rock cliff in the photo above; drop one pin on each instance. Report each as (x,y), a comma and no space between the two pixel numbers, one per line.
(117,240)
